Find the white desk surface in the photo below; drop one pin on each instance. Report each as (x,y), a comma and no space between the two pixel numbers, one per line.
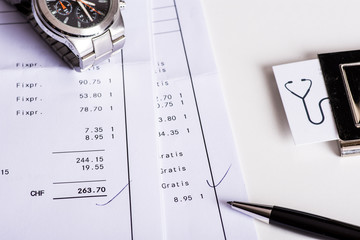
(249,37)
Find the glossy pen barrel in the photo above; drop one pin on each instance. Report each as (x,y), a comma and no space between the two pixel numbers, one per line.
(313,224)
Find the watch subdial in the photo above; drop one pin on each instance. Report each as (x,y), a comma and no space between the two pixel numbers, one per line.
(86,17)
(63,7)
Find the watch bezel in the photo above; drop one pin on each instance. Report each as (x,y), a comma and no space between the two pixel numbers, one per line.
(48,19)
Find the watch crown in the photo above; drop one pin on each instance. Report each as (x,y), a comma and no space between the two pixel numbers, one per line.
(122,4)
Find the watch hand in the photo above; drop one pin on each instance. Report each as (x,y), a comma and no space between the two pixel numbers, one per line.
(62,5)
(89,3)
(86,2)
(84,9)
(90,7)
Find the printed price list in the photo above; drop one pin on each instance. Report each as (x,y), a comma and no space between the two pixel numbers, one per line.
(187,181)
(66,143)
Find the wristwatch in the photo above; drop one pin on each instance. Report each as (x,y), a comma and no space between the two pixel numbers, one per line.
(82,32)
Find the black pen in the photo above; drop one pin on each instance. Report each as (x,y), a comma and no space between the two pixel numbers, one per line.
(299,221)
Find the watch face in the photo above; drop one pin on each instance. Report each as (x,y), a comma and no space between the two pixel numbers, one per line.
(79,13)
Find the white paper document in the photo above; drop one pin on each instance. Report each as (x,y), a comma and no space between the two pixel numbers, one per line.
(118,152)
(78,156)
(199,167)
(303,92)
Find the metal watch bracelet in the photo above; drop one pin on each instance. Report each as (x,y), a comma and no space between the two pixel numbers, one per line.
(103,46)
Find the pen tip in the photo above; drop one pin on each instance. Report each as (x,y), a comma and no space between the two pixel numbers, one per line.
(230,203)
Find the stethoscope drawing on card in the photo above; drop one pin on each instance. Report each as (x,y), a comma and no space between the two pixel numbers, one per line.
(304,102)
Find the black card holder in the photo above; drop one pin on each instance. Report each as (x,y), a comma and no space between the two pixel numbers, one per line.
(341,73)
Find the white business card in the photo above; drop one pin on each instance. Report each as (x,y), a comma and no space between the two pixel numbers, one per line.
(303,93)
